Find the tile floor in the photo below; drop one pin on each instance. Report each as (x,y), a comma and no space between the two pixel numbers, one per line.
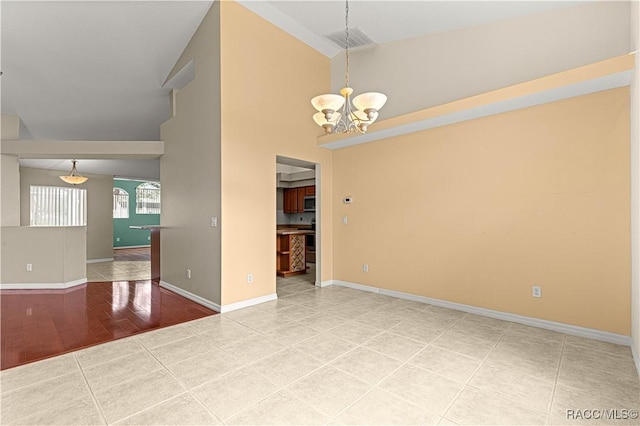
(127,270)
(130,264)
(328,356)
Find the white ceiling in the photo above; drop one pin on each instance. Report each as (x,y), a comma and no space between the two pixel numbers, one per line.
(391,20)
(93,70)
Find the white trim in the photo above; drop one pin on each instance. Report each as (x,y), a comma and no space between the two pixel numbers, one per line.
(194,297)
(43,286)
(574,330)
(636,357)
(249,302)
(105,259)
(599,84)
(212,305)
(127,247)
(326,283)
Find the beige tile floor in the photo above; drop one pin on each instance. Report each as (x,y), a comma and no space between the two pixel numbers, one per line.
(119,271)
(328,356)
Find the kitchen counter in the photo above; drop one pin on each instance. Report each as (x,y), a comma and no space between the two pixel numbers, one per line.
(155,248)
(292,231)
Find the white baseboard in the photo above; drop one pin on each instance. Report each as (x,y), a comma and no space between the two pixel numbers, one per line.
(326,283)
(246,303)
(194,297)
(574,330)
(43,286)
(636,356)
(212,305)
(106,259)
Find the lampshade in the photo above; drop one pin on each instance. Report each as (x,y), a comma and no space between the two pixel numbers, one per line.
(327,102)
(74,180)
(74,177)
(371,101)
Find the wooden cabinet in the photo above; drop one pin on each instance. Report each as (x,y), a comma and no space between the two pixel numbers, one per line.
(300,194)
(294,198)
(289,199)
(290,252)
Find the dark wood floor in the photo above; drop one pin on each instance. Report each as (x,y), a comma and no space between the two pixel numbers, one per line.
(129,254)
(38,324)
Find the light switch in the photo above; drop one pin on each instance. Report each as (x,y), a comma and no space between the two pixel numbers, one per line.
(214,222)
(345,220)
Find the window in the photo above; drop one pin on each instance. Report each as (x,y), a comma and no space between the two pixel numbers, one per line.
(148,198)
(58,206)
(120,203)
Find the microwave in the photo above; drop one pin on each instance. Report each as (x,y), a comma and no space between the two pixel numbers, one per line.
(309,204)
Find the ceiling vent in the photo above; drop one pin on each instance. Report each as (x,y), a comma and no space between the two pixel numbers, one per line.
(356,38)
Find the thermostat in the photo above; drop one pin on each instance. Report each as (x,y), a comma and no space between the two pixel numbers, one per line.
(347,200)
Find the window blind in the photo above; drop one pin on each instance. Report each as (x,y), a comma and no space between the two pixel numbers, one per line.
(58,206)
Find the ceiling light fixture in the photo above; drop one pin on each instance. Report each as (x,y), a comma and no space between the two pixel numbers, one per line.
(335,112)
(74,177)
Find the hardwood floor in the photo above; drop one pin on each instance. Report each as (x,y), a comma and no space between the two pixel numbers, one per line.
(132,254)
(38,324)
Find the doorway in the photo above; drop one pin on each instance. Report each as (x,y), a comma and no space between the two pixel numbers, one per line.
(298,224)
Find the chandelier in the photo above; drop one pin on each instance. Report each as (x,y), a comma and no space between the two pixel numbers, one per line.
(74,177)
(336,114)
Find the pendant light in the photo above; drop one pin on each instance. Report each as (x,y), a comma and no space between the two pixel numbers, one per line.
(336,114)
(74,177)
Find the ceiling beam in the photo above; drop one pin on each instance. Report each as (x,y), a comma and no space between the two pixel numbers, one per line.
(134,150)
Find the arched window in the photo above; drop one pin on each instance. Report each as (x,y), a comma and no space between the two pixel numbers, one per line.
(120,203)
(148,198)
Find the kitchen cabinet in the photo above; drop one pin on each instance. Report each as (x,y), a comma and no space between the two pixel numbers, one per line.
(294,198)
(290,197)
(290,252)
(300,195)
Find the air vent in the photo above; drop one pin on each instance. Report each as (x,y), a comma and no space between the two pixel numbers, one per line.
(356,38)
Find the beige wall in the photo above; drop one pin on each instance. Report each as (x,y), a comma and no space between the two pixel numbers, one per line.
(443,67)
(10,189)
(268,78)
(635,184)
(480,211)
(56,253)
(219,131)
(99,207)
(190,170)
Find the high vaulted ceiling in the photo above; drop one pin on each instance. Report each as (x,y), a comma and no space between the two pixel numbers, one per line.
(93,70)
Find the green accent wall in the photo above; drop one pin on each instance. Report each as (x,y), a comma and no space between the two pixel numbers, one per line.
(132,237)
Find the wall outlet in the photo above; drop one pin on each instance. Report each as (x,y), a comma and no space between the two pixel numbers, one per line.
(189,273)
(29,267)
(249,278)
(536,291)
(214,222)
(365,267)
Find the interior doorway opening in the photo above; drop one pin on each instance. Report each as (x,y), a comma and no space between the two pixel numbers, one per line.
(298,222)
